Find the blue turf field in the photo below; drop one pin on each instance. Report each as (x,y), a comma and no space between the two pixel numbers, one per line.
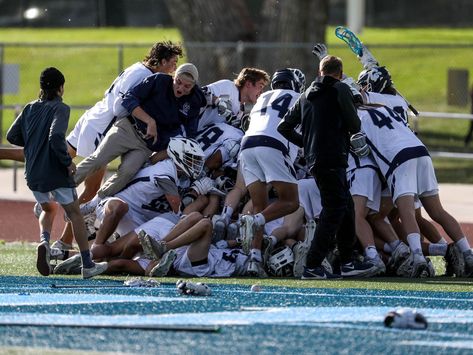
(275,320)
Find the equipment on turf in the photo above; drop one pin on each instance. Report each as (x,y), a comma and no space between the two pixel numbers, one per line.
(405,318)
(286,79)
(368,60)
(164,327)
(187,154)
(281,262)
(193,288)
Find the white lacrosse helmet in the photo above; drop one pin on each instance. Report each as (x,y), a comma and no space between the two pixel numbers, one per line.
(281,262)
(187,154)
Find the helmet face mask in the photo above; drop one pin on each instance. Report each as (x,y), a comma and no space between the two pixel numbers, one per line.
(376,79)
(281,262)
(288,79)
(187,154)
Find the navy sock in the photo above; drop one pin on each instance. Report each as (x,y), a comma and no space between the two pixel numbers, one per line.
(45,236)
(86,260)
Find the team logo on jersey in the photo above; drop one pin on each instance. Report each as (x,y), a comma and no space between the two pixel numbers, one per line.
(185,109)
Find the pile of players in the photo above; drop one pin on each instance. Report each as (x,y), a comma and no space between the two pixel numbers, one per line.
(228,195)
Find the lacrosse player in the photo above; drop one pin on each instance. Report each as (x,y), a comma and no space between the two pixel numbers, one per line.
(267,158)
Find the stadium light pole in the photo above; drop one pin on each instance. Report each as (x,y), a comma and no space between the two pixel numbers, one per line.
(356,15)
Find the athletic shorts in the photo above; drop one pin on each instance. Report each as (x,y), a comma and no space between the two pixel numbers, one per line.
(414,177)
(309,198)
(266,164)
(365,182)
(62,195)
(157,228)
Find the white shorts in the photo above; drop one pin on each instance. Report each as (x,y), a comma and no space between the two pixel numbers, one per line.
(365,182)
(272,225)
(85,138)
(220,263)
(129,221)
(157,228)
(309,198)
(266,164)
(414,177)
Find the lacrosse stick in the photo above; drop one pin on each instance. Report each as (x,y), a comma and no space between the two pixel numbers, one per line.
(356,47)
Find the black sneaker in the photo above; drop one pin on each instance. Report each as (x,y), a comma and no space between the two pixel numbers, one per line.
(318,273)
(358,269)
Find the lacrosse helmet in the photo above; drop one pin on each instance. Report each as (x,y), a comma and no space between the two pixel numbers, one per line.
(376,79)
(281,262)
(285,79)
(187,154)
(300,76)
(224,183)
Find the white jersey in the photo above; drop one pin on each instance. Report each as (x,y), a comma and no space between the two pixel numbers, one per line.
(220,136)
(95,122)
(143,193)
(391,141)
(394,102)
(220,263)
(220,88)
(266,114)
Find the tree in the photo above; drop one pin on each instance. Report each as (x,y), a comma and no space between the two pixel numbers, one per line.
(288,29)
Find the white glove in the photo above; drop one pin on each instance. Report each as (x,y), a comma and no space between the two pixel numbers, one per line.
(222,244)
(367,59)
(193,289)
(320,50)
(203,185)
(359,145)
(224,107)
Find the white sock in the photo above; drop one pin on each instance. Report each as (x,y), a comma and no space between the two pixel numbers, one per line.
(370,252)
(227,213)
(437,249)
(259,219)
(442,241)
(463,244)
(394,244)
(414,242)
(387,248)
(273,240)
(255,254)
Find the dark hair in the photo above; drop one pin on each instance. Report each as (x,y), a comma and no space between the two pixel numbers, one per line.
(162,50)
(252,75)
(50,80)
(331,65)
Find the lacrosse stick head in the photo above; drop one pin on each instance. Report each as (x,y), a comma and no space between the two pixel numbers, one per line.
(351,39)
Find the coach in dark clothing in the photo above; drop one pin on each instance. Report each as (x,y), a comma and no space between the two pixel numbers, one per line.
(328,115)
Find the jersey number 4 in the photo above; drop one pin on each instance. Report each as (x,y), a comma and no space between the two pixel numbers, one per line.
(281,105)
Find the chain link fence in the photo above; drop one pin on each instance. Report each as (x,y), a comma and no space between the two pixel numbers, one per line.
(419,71)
